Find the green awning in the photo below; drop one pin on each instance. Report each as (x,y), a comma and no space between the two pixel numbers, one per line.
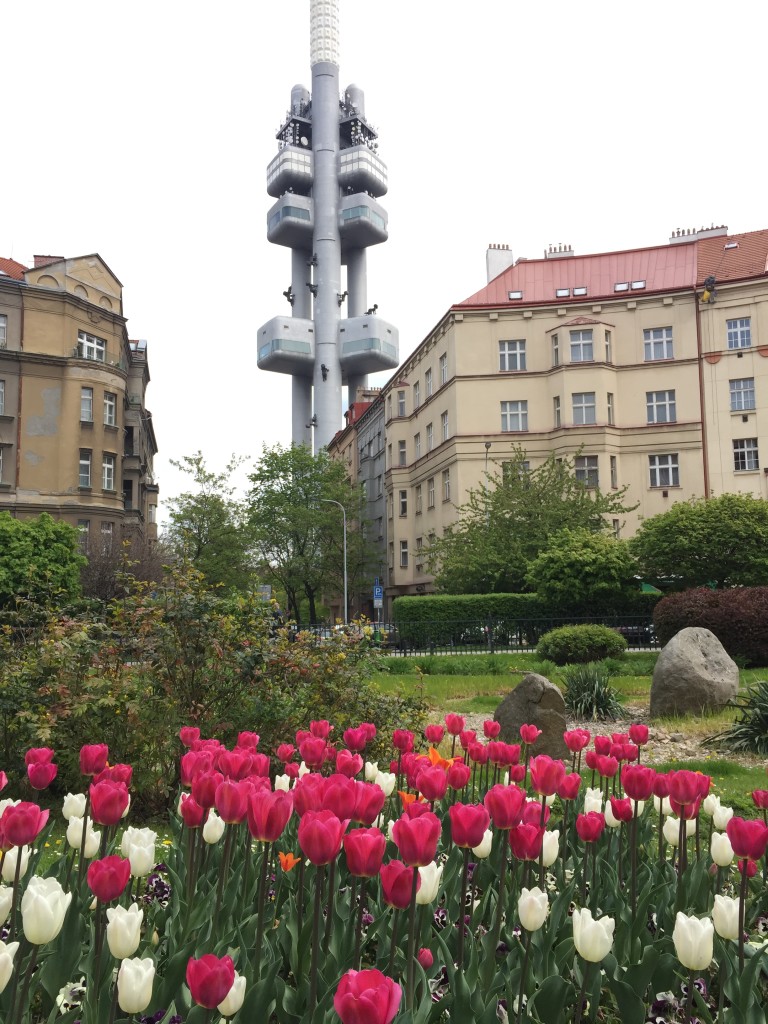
(646,588)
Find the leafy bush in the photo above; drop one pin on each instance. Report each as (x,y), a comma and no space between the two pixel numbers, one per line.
(577,644)
(588,693)
(749,731)
(738,617)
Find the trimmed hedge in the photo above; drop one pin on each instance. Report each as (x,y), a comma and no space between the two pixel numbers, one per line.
(570,645)
(738,617)
(464,607)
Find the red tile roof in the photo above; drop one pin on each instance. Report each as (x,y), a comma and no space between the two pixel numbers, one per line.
(12,269)
(663,268)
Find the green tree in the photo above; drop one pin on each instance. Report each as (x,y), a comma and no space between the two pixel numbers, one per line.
(39,560)
(296,530)
(208,526)
(719,541)
(583,570)
(509,519)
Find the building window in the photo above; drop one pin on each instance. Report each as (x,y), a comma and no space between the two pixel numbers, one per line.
(389,456)
(742,394)
(416,395)
(657,344)
(514,416)
(401,403)
(556,408)
(391,555)
(515,470)
(418,499)
(85,468)
(431,492)
(403,554)
(428,384)
(90,347)
(446,485)
(107,530)
(390,506)
(511,356)
(443,369)
(152,513)
(444,425)
(745,455)
(614,471)
(419,554)
(108,472)
(379,487)
(84,529)
(417,446)
(608,348)
(389,407)
(586,470)
(583,408)
(616,527)
(582,350)
(2,398)
(86,405)
(403,503)
(3,330)
(664,470)
(660,406)
(739,332)
(555,350)
(401,455)
(1,465)
(430,438)
(609,402)
(110,409)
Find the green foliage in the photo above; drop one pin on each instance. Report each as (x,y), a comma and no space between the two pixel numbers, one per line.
(208,526)
(749,731)
(298,530)
(737,617)
(585,570)
(39,560)
(589,694)
(510,519)
(577,644)
(721,542)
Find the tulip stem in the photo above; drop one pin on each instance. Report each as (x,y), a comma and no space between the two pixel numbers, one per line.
(15,896)
(462,909)
(222,876)
(393,943)
(319,876)
(633,859)
(27,979)
(582,994)
(359,927)
(260,912)
(300,897)
(742,911)
(329,907)
(689,999)
(113,1004)
(409,985)
(81,862)
(523,974)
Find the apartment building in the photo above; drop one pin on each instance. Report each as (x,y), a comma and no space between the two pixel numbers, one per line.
(76,438)
(648,366)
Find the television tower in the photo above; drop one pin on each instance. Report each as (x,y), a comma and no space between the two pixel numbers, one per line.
(326,177)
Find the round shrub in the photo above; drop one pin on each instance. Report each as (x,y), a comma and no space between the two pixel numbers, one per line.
(736,616)
(578,644)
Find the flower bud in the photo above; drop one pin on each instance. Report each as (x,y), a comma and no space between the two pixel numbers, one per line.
(721,850)
(550,847)
(7,953)
(75,838)
(725,916)
(229,1006)
(124,930)
(693,939)
(532,908)
(483,848)
(213,829)
(431,876)
(43,908)
(134,984)
(593,938)
(9,862)
(73,806)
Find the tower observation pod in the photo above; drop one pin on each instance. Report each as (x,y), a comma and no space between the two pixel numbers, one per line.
(326,180)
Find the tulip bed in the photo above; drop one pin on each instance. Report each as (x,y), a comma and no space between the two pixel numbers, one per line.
(469,879)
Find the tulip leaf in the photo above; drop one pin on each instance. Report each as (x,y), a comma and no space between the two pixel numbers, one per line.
(631,1005)
(552,996)
(260,998)
(59,966)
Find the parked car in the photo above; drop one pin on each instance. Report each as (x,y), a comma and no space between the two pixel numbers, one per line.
(638,635)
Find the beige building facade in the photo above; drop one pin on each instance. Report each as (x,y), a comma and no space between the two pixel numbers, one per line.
(76,438)
(649,367)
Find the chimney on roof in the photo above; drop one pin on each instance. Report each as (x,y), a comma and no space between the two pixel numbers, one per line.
(691,234)
(558,252)
(498,258)
(44,261)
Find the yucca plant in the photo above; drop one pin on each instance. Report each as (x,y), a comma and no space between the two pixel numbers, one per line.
(749,732)
(588,693)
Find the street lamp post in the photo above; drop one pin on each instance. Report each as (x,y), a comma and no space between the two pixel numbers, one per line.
(331,501)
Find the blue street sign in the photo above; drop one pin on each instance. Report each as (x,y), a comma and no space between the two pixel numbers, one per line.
(376,582)
(378,593)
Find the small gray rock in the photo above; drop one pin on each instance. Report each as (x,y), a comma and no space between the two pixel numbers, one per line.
(693,674)
(535,701)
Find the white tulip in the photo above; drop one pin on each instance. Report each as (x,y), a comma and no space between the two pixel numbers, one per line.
(532,908)
(138,845)
(127,808)
(43,908)
(134,984)
(483,848)
(550,847)
(213,829)
(303,770)
(7,803)
(124,930)
(725,916)
(6,900)
(721,850)
(232,1002)
(694,942)
(593,938)
(390,826)
(7,953)
(610,820)
(593,800)
(386,781)
(371,770)
(672,829)
(283,783)
(710,804)
(431,876)
(73,806)
(662,805)
(721,817)
(9,864)
(75,837)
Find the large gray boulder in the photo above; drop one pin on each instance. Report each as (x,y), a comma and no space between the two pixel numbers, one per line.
(693,674)
(535,701)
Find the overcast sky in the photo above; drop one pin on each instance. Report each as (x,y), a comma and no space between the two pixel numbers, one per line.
(142,131)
